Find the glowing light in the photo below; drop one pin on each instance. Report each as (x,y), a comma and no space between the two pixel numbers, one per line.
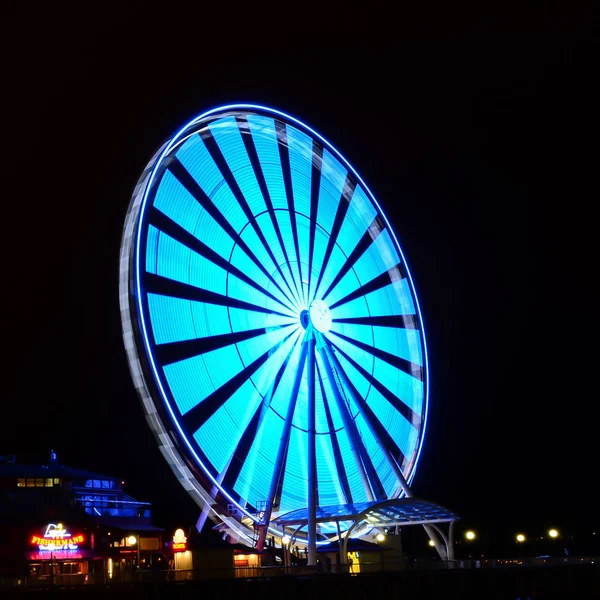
(131,540)
(470,535)
(431,543)
(285,539)
(520,537)
(56,537)
(553,533)
(320,316)
(380,537)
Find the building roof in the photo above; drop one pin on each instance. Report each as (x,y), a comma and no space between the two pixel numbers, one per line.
(50,470)
(386,513)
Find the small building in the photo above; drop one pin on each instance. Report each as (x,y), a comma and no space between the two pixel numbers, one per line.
(67,524)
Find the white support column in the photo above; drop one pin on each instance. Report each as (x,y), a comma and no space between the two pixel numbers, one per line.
(283,445)
(451,541)
(312,452)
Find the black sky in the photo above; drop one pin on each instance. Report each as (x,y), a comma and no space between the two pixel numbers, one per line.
(476,133)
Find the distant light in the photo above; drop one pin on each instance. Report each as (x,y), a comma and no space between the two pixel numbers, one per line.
(470,535)
(520,537)
(553,533)
(285,539)
(131,540)
(380,537)
(431,543)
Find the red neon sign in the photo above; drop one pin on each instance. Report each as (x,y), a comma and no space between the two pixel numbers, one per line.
(179,541)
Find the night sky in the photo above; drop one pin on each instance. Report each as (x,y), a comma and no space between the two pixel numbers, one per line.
(475,132)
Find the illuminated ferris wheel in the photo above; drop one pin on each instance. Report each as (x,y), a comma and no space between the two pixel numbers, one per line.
(271,324)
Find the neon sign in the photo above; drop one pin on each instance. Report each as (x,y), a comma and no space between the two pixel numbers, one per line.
(179,541)
(56,537)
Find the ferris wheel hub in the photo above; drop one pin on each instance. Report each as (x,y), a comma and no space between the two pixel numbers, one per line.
(320,316)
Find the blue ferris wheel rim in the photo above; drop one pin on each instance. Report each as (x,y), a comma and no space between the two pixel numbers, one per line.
(149,190)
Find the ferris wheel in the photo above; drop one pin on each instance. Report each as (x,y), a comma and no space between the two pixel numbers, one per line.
(271,324)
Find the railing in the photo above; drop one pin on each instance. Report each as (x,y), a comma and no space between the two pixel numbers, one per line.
(149,576)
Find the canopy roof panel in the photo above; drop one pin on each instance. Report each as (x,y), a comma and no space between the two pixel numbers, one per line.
(377,513)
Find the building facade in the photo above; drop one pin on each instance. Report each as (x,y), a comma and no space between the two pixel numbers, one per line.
(61,522)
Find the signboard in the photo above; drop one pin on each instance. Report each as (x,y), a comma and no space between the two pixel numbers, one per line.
(179,541)
(57,538)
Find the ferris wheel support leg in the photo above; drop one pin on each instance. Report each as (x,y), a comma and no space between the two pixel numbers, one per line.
(433,536)
(283,445)
(312,454)
(349,425)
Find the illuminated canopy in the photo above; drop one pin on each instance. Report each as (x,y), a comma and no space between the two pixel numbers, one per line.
(249,235)
(400,511)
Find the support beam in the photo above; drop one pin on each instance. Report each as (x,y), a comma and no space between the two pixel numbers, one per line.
(283,445)
(312,452)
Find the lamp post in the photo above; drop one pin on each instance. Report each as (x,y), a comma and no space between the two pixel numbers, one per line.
(285,541)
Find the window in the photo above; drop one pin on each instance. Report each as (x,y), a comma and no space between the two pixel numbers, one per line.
(21,482)
(39,482)
(49,482)
(31,483)
(56,481)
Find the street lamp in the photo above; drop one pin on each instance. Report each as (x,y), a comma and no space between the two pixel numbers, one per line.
(520,537)
(380,537)
(553,533)
(431,543)
(470,535)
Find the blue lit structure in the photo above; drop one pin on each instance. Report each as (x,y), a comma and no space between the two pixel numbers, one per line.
(271,324)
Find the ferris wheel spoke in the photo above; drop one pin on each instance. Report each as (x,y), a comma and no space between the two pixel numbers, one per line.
(394,360)
(350,430)
(335,445)
(156,284)
(251,149)
(381,434)
(191,185)
(199,414)
(248,438)
(282,137)
(315,188)
(361,247)
(229,177)
(182,350)
(165,225)
(384,279)
(400,406)
(392,321)
(280,459)
(340,215)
